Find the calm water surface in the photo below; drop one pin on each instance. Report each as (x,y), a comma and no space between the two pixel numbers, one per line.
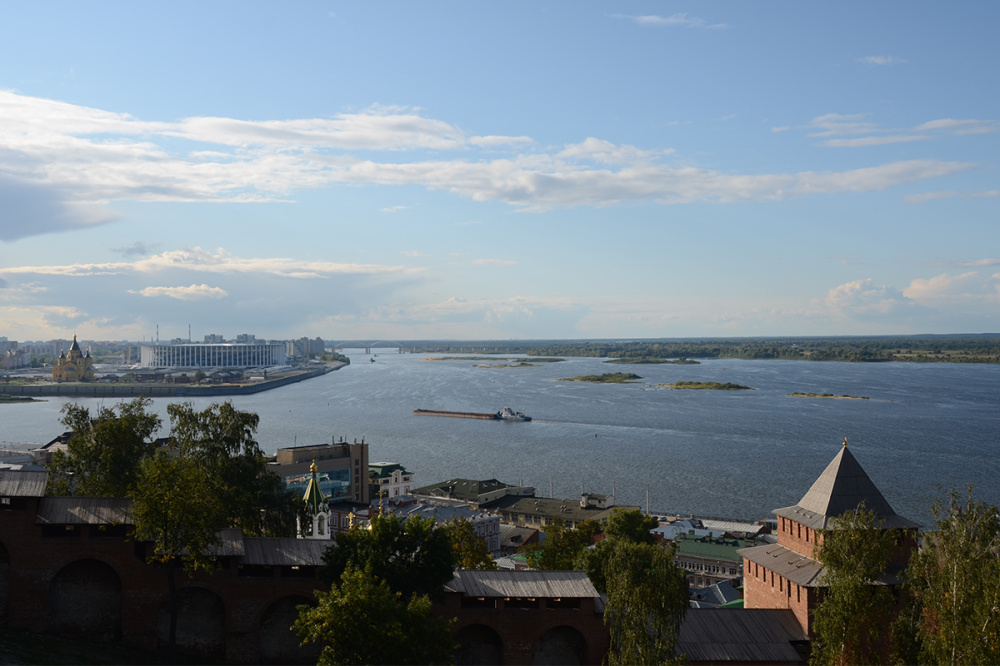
(732,454)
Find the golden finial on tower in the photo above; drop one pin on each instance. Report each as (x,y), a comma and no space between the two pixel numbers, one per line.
(845,442)
(313,468)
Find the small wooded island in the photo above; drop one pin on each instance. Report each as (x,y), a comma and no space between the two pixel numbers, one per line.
(828,395)
(711,386)
(642,360)
(606,378)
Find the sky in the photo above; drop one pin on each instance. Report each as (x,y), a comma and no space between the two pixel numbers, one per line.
(455,170)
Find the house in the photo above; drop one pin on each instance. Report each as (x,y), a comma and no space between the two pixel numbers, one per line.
(389,480)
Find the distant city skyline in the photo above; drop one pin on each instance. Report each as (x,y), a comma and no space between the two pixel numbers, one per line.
(473,172)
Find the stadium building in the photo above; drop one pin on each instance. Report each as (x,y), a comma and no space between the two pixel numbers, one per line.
(212,355)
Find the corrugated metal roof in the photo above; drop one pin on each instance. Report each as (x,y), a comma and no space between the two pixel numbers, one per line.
(22,483)
(84,511)
(733,527)
(230,543)
(758,635)
(259,551)
(535,584)
(785,562)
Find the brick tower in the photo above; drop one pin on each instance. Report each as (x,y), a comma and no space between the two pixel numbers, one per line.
(785,574)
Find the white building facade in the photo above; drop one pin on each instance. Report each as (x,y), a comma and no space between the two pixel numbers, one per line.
(225,355)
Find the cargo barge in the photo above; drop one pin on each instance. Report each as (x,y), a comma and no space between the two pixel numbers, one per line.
(506,414)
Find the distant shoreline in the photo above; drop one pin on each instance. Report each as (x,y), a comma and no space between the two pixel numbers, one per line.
(130,390)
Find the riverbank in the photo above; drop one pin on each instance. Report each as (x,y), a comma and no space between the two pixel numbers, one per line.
(131,390)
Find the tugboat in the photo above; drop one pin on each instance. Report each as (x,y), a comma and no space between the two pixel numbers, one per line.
(508,414)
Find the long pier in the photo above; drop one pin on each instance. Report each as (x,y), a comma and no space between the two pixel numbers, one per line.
(455,415)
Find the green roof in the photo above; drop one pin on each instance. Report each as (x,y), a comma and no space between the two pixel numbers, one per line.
(714,549)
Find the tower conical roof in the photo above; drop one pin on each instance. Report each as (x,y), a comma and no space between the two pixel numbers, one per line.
(314,499)
(843,486)
(75,346)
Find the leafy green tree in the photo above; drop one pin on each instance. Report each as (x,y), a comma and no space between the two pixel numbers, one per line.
(853,614)
(954,583)
(470,548)
(221,439)
(363,621)
(411,556)
(623,525)
(176,510)
(104,452)
(563,545)
(647,601)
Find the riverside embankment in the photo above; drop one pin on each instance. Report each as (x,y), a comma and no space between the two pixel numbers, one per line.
(157,390)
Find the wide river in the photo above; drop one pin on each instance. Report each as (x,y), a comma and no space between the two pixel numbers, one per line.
(729,454)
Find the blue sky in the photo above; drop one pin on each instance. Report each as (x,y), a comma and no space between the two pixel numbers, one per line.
(509,170)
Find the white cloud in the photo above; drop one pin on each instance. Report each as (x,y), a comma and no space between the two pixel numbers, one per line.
(680,19)
(199,260)
(882,60)
(196,292)
(58,155)
(954,126)
(783,128)
(865,299)
(493,262)
(874,140)
(964,287)
(832,124)
(606,152)
(393,209)
(948,194)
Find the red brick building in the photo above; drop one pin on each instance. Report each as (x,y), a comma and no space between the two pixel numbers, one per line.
(785,574)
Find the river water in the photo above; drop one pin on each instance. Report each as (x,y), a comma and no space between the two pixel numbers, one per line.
(728,454)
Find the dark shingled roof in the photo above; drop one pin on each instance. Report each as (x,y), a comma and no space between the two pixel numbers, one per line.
(20,483)
(749,635)
(842,487)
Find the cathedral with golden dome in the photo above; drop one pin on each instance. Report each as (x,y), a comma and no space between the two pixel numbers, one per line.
(73,367)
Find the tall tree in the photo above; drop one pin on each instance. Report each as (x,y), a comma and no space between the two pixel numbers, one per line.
(623,525)
(647,600)
(853,615)
(105,449)
(954,581)
(562,547)
(362,620)
(411,556)
(222,439)
(175,509)
(471,551)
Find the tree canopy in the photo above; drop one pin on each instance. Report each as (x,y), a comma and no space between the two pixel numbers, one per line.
(411,556)
(562,547)
(647,601)
(471,550)
(953,586)
(362,620)
(221,439)
(623,525)
(852,618)
(105,449)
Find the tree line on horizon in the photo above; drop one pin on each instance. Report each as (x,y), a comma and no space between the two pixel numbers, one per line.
(916,348)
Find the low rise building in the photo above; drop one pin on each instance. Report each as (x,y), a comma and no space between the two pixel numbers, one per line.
(472,491)
(707,560)
(539,512)
(389,480)
(342,469)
